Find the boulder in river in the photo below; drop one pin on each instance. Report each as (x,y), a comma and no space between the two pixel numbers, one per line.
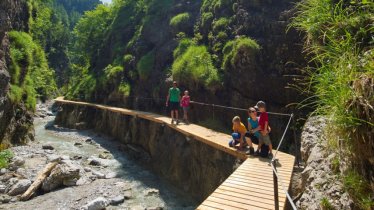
(97,204)
(18,161)
(62,174)
(20,187)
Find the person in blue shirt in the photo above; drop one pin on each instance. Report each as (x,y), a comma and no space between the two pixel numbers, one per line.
(253,133)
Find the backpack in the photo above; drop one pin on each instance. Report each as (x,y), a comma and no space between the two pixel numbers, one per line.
(264,150)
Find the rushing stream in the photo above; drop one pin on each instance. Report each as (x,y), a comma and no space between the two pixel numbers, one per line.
(147,189)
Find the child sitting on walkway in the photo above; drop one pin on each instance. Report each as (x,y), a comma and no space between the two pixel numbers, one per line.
(238,137)
(263,127)
(252,134)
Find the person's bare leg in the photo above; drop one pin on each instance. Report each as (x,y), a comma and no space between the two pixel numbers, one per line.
(176,115)
(250,142)
(270,148)
(185,115)
(172,116)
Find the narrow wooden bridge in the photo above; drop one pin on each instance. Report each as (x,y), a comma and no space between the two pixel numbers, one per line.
(249,187)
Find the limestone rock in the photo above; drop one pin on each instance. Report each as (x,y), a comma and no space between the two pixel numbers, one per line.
(111,175)
(98,174)
(151,192)
(62,174)
(97,204)
(20,187)
(18,161)
(117,200)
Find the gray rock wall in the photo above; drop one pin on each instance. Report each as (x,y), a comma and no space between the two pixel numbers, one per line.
(319,184)
(190,164)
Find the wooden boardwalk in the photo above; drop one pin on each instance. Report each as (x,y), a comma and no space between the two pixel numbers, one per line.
(249,187)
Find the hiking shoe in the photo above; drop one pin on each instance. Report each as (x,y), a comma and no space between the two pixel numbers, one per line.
(177,122)
(172,121)
(270,156)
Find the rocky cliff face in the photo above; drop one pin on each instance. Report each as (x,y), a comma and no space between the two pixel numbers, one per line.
(320,185)
(193,166)
(15,121)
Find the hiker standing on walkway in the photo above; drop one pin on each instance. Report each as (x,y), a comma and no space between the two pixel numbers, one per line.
(172,100)
(185,104)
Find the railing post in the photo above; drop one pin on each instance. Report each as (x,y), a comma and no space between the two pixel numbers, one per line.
(275,181)
(297,152)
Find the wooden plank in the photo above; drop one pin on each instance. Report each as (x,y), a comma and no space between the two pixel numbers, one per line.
(266,201)
(255,192)
(260,203)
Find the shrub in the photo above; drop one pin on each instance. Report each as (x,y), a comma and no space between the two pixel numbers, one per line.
(180,20)
(5,157)
(127,59)
(124,88)
(206,19)
(221,24)
(145,65)
(236,49)
(193,66)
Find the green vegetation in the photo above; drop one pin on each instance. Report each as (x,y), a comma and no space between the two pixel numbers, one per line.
(5,157)
(220,24)
(237,49)
(193,66)
(124,88)
(31,76)
(326,205)
(359,188)
(145,65)
(340,44)
(180,21)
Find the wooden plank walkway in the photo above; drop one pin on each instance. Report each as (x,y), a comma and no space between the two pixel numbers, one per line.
(249,187)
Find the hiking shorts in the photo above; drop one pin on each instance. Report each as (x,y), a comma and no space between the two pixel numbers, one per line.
(265,140)
(186,108)
(174,106)
(235,139)
(253,137)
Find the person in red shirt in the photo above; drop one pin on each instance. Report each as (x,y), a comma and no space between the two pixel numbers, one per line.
(263,127)
(185,104)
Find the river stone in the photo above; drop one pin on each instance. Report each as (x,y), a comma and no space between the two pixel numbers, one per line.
(150,192)
(3,171)
(105,155)
(127,194)
(87,169)
(89,140)
(2,188)
(97,204)
(18,161)
(62,173)
(5,198)
(110,175)
(94,162)
(54,158)
(98,174)
(48,147)
(154,208)
(117,200)
(20,187)
(77,144)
